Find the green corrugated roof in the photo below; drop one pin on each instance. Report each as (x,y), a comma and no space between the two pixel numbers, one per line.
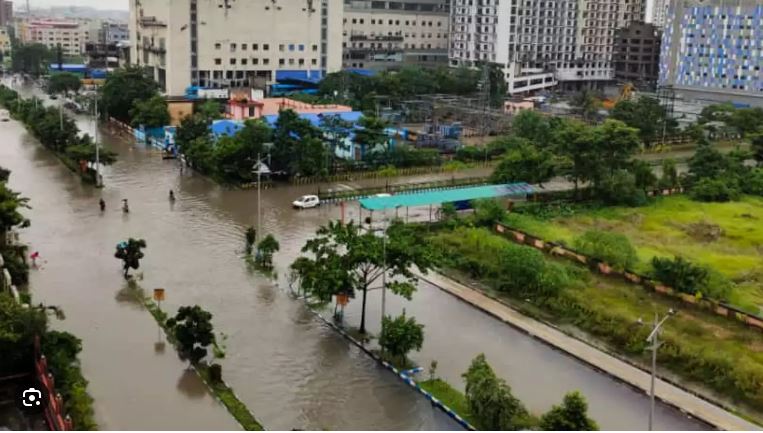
(445,196)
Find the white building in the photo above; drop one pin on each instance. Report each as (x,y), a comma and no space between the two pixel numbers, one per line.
(229,43)
(541,43)
(388,34)
(71,36)
(659,13)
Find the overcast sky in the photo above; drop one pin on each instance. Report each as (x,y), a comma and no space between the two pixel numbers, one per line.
(100,4)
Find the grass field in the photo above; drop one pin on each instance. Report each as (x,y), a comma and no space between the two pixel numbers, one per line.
(450,397)
(728,237)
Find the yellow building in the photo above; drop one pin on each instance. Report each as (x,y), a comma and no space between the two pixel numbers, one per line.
(5,42)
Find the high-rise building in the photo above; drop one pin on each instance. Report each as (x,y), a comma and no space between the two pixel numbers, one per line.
(637,53)
(229,43)
(6,12)
(541,43)
(711,49)
(71,36)
(659,11)
(111,32)
(388,34)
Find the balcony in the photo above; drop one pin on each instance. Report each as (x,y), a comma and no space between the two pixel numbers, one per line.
(380,38)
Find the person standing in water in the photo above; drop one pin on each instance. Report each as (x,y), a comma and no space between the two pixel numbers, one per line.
(102,204)
(172,195)
(125,206)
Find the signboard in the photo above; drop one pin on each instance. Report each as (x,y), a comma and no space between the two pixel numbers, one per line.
(158,295)
(214,93)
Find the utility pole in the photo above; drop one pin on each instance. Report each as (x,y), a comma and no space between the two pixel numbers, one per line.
(61,113)
(653,338)
(384,267)
(258,167)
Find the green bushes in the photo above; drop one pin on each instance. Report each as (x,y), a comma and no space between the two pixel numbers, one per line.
(680,274)
(515,269)
(613,248)
(400,335)
(717,190)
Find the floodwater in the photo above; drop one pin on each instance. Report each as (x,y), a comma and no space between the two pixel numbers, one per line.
(291,370)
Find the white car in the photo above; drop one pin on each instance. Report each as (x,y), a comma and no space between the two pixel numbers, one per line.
(306,202)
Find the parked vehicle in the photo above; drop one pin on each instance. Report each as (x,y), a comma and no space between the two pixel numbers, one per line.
(4,115)
(306,202)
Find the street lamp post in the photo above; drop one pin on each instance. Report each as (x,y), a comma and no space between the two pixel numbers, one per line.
(258,167)
(653,338)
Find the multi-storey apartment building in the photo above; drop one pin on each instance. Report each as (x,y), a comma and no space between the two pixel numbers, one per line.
(229,43)
(111,32)
(71,36)
(388,34)
(659,12)
(541,43)
(712,49)
(6,12)
(637,53)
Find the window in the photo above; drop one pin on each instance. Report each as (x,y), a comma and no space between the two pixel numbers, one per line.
(315,48)
(232,61)
(291,47)
(244,47)
(265,61)
(281,62)
(255,61)
(315,62)
(291,61)
(232,47)
(218,46)
(281,47)
(255,47)
(301,62)
(266,47)
(244,61)
(218,61)
(301,47)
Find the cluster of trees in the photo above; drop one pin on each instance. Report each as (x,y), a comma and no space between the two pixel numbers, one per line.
(494,407)
(747,121)
(31,59)
(362,92)
(599,156)
(55,130)
(193,330)
(715,176)
(130,96)
(130,253)
(64,83)
(648,116)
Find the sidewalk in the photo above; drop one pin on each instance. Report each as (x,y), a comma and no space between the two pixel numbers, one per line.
(670,394)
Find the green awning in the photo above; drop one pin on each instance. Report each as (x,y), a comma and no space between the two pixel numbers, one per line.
(446,196)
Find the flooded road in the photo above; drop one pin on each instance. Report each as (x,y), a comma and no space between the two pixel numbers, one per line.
(292,371)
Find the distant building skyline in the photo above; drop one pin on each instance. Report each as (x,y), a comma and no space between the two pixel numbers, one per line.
(98,4)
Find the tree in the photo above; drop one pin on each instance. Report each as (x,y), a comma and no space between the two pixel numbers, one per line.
(490,400)
(336,131)
(576,143)
(30,59)
(616,142)
(123,88)
(209,110)
(401,335)
(669,177)
(192,327)
(19,327)
(620,188)
(150,113)
(526,163)
(707,162)
(715,189)
(130,253)
(643,175)
(251,237)
(572,415)
(298,146)
(266,248)
(586,105)
(85,151)
(11,202)
(747,120)
(487,212)
(346,261)
(63,83)
(532,126)
(497,86)
(646,115)
(371,134)
(191,128)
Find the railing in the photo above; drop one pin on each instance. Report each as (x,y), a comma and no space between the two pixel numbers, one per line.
(54,411)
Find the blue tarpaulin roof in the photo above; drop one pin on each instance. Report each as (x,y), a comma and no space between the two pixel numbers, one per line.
(446,196)
(314,77)
(226,127)
(363,72)
(69,67)
(351,116)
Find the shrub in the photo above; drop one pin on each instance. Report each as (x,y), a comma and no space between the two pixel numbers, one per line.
(620,189)
(490,399)
(488,212)
(753,183)
(571,415)
(401,335)
(680,274)
(613,248)
(718,190)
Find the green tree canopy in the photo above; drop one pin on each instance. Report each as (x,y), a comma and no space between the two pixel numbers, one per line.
(266,248)
(571,415)
(123,88)
(31,59)
(192,326)
(64,82)
(401,335)
(150,113)
(490,399)
(647,116)
(526,163)
(130,253)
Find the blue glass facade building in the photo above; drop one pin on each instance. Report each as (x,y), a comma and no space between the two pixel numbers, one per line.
(714,46)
